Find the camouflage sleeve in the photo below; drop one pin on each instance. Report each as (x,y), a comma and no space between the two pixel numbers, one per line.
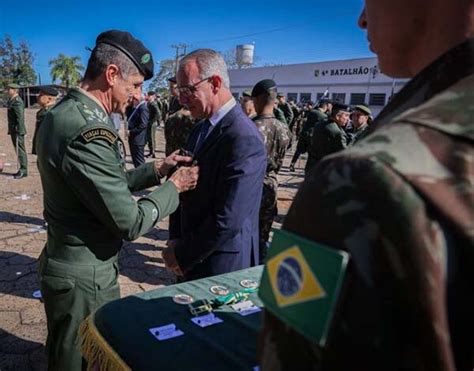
(394,301)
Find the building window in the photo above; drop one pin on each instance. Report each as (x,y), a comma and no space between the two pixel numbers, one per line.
(377,99)
(305,97)
(339,97)
(292,96)
(357,98)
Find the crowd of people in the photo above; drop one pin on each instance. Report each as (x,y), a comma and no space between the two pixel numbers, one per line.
(395,194)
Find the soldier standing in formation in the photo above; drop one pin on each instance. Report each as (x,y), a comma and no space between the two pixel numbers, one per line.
(329,136)
(276,138)
(400,204)
(46,100)
(88,201)
(17,129)
(153,118)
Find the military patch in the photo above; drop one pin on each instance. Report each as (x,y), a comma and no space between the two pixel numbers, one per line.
(99,133)
(301,283)
(145,58)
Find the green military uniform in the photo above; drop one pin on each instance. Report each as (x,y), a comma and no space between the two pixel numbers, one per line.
(279,115)
(287,112)
(177,129)
(17,130)
(276,138)
(40,115)
(89,207)
(312,118)
(328,137)
(400,203)
(154,116)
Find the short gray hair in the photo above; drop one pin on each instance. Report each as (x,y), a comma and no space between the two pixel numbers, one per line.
(209,63)
(104,55)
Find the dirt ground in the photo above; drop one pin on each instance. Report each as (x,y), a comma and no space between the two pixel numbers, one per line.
(22,237)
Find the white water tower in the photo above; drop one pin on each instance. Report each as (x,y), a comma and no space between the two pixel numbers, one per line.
(244,55)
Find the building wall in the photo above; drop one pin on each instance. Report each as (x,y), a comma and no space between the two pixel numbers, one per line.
(353,76)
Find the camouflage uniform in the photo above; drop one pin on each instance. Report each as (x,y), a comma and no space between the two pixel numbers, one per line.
(276,138)
(177,129)
(401,203)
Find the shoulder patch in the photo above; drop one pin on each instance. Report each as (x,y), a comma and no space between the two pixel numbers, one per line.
(99,133)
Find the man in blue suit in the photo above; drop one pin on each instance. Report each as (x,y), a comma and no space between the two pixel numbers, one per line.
(218,221)
(137,117)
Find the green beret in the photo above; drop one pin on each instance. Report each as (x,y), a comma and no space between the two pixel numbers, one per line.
(48,90)
(14,86)
(364,109)
(131,47)
(264,87)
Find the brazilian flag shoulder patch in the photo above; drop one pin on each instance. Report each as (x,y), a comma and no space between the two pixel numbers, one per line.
(301,283)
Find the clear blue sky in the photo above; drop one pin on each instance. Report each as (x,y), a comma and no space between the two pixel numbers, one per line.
(283,31)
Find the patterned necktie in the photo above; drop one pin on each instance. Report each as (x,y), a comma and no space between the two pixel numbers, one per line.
(203,130)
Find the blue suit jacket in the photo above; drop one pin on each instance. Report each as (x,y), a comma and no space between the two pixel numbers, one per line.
(219,219)
(137,124)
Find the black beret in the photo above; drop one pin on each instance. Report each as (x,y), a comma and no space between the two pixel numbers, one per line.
(264,87)
(48,90)
(340,107)
(363,108)
(131,47)
(172,79)
(151,92)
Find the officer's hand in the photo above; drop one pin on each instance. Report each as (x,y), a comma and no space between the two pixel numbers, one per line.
(172,160)
(185,178)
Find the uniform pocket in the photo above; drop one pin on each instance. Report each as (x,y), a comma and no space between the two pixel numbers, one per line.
(106,284)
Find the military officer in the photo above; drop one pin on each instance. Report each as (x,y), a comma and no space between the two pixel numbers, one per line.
(398,205)
(46,99)
(154,116)
(174,104)
(285,107)
(328,136)
(361,118)
(177,129)
(312,118)
(17,129)
(276,138)
(88,201)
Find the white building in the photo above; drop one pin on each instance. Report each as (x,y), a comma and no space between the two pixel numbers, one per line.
(352,81)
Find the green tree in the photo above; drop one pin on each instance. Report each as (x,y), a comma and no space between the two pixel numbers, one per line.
(66,69)
(16,63)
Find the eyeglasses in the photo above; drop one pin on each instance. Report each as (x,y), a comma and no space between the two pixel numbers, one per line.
(188,90)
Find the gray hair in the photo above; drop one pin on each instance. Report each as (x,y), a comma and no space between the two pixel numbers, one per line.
(102,56)
(209,62)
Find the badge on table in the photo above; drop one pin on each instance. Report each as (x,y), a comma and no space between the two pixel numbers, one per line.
(301,283)
(219,290)
(249,284)
(183,299)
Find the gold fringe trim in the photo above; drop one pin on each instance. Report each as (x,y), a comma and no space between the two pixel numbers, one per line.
(95,349)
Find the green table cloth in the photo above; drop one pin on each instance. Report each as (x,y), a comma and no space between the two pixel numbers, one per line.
(117,336)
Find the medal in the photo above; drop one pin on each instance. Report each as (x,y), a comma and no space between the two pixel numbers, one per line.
(219,290)
(183,299)
(249,284)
